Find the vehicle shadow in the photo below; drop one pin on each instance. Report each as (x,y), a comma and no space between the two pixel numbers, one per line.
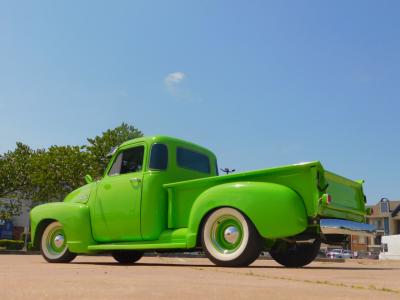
(211,266)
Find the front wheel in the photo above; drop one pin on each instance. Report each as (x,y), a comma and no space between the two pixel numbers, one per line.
(53,244)
(295,255)
(230,239)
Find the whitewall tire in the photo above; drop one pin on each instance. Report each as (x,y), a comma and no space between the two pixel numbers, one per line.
(230,239)
(53,244)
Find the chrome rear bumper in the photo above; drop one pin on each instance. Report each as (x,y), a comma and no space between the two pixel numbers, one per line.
(338,226)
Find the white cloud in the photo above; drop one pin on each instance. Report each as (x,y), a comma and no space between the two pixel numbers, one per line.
(173,79)
(175,87)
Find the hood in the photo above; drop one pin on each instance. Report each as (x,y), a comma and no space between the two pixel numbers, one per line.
(80,195)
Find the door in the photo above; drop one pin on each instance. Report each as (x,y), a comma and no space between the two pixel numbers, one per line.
(118,198)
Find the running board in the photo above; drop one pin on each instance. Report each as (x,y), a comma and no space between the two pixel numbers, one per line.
(339,226)
(169,239)
(138,246)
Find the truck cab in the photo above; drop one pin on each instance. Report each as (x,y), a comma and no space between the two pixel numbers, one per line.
(130,203)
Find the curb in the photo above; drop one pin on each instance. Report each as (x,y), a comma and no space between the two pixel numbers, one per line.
(19,252)
(335,260)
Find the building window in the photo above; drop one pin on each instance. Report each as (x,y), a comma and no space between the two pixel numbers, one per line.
(193,160)
(386,226)
(384,207)
(378,224)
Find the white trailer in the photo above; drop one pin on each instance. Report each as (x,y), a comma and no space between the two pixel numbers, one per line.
(390,248)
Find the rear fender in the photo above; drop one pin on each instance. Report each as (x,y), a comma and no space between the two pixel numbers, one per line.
(75,219)
(276,210)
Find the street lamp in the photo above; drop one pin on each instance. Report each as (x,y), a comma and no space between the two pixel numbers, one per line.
(227,170)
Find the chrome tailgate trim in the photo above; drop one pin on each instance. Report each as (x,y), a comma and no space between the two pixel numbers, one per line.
(339,226)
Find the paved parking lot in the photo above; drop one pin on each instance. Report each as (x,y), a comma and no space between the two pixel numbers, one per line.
(30,277)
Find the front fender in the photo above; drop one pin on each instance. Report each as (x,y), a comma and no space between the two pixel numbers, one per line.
(276,210)
(75,219)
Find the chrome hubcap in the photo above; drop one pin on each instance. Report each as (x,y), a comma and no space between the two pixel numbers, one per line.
(54,241)
(59,240)
(231,234)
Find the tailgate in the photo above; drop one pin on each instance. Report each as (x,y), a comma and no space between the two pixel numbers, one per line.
(347,200)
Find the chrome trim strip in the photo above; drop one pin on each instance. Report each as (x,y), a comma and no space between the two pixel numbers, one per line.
(339,226)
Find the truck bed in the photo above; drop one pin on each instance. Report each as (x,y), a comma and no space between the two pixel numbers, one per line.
(309,180)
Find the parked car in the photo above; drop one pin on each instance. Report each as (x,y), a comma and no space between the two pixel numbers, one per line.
(335,253)
(347,254)
(164,194)
(367,255)
(340,253)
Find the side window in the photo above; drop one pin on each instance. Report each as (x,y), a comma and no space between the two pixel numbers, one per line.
(158,157)
(116,167)
(384,207)
(192,160)
(128,161)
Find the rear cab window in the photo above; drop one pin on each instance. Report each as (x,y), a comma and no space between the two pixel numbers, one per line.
(158,157)
(192,160)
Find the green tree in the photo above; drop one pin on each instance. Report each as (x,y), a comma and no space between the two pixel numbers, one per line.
(15,181)
(57,171)
(47,175)
(10,207)
(101,145)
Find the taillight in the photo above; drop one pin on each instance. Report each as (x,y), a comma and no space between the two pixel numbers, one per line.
(325,199)
(328,199)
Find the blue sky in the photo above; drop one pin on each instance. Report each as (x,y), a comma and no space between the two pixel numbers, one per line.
(262,83)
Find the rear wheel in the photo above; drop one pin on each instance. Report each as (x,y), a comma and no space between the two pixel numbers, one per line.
(127,257)
(230,239)
(53,245)
(295,255)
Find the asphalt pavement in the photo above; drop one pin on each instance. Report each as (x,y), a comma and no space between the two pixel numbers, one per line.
(100,277)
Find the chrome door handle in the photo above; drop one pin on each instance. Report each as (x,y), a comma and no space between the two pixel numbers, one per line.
(135,180)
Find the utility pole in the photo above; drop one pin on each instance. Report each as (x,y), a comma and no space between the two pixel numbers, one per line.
(26,231)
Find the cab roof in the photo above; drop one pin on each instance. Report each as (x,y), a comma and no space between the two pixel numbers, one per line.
(166,140)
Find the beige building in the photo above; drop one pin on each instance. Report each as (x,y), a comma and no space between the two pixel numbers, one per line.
(386,217)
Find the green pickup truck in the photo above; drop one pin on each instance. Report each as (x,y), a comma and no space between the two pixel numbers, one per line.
(164,194)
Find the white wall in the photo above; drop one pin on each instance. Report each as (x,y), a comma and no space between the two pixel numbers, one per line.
(393,246)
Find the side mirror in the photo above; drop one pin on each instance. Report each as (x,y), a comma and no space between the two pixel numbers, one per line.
(88,179)
(112,151)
